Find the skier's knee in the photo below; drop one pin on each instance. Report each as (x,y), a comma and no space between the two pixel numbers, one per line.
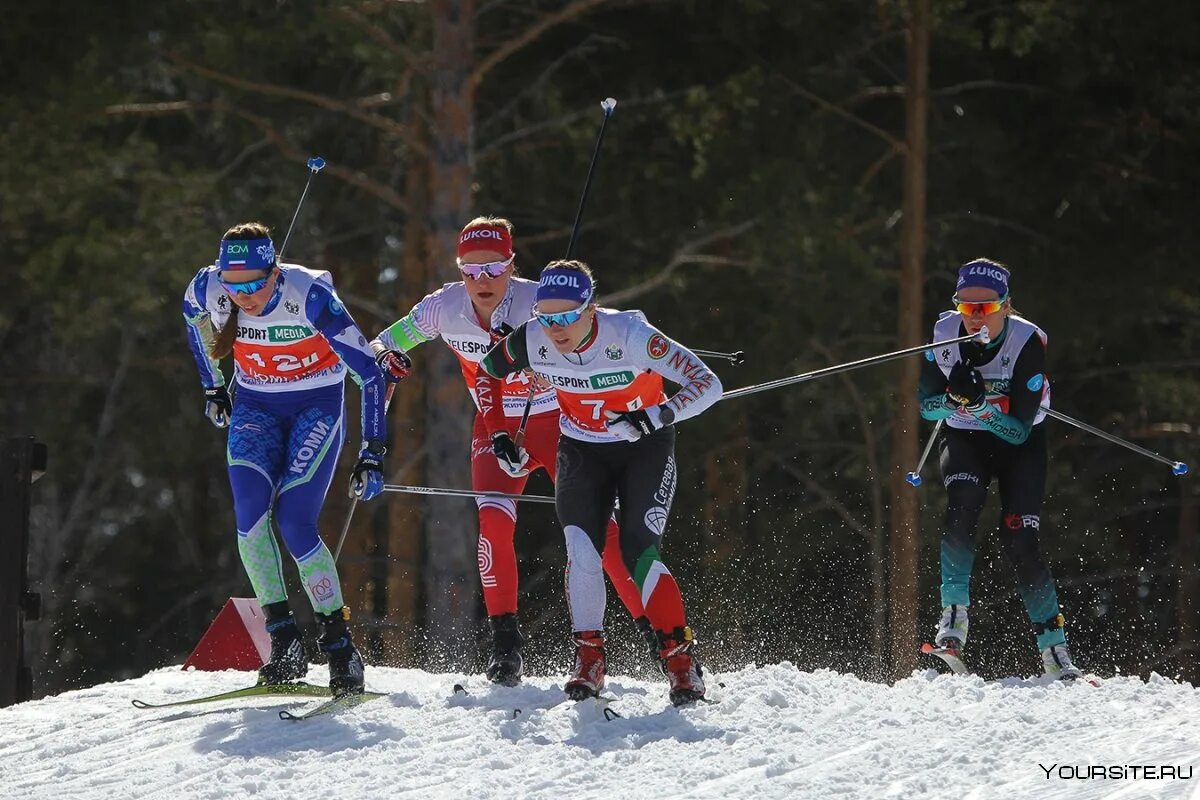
(582,553)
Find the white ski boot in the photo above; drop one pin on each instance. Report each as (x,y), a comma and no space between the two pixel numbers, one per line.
(952,630)
(1056,660)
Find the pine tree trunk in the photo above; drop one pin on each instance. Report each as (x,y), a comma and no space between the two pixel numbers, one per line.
(451,578)
(905,517)
(402,617)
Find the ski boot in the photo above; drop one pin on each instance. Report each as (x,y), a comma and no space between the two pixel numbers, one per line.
(1056,660)
(952,630)
(587,679)
(345,664)
(506,665)
(649,635)
(288,662)
(683,670)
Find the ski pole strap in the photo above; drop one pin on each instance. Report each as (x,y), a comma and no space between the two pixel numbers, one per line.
(1052,624)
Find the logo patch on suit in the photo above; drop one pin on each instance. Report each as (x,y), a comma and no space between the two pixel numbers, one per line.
(292,306)
(656,520)
(658,346)
(613,352)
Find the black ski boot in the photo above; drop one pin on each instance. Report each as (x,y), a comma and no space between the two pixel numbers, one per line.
(345,664)
(288,662)
(506,665)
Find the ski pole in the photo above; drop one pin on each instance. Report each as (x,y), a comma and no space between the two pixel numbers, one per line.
(737,357)
(914,477)
(1177,467)
(982,336)
(606,105)
(434,490)
(315,165)
(387,402)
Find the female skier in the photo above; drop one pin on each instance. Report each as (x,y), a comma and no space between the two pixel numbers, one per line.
(991,397)
(617,444)
(292,342)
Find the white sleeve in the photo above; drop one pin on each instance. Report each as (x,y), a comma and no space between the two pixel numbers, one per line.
(699,387)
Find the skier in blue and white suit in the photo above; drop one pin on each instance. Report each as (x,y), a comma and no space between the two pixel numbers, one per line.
(292,341)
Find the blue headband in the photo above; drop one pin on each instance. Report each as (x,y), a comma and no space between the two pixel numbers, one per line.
(558,283)
(246,254)
(983,274)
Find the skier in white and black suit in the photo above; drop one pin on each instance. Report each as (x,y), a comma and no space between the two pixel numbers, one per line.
(990,397)
(618,443)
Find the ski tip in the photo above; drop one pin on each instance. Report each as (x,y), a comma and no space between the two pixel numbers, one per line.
(927,648)
(287,715)
(140,704)
(460,689)
(739,358)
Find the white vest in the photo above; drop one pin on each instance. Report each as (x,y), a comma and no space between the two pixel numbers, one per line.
(279,351)
(448,313)
(997,373)
(614,373)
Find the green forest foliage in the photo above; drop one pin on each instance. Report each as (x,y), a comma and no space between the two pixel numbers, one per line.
(747,198)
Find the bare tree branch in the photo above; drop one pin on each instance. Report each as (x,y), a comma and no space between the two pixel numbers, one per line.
(831,500)
(357,302)
(685,255)
(532,34)
(275,136)
(355,178)
(389,126)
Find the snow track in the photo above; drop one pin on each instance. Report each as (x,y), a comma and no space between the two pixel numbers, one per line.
(776,733)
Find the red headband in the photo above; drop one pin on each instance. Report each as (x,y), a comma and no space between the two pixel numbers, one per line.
(489,237)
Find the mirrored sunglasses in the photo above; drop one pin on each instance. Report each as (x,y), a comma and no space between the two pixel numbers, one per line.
(562,319)
(493,269)
(245,287)
(985,307)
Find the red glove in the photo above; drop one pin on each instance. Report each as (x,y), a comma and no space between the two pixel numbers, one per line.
(395,365)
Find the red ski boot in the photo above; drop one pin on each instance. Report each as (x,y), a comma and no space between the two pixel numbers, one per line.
(587,680)
(681,667)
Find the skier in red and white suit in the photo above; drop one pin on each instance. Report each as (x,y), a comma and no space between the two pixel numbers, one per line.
(470,316)
(618,443)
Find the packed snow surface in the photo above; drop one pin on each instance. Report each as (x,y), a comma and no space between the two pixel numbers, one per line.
(776,732)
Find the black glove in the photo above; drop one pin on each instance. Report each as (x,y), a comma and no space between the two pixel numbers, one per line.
(512,458)
(395,365)
(965,386)
(633,425)
(217,406)
(366,480)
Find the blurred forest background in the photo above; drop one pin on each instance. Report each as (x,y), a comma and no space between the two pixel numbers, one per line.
(776,178)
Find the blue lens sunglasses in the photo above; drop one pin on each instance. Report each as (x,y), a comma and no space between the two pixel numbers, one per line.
(246,287)
(563,318)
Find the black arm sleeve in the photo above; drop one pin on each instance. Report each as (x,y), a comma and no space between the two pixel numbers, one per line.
(508,355)
(1029,376)
(932,381)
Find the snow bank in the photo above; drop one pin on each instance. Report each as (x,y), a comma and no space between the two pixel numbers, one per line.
(776,732)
